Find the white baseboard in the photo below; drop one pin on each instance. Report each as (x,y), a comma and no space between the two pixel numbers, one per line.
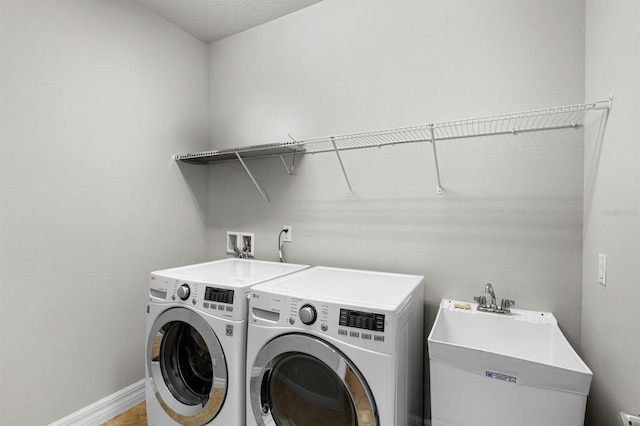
(105,409)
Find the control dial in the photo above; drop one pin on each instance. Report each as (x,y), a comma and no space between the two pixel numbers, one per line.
(308,314)
(184,291)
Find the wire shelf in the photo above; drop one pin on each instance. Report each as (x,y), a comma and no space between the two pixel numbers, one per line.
(256,151)
(561,117)
(510,123)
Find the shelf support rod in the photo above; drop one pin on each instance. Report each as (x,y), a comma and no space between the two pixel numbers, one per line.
(293,161)
(435,158)
(255,182)
(289,170)
(344,172)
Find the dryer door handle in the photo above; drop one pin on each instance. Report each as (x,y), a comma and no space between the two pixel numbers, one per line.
(264,392)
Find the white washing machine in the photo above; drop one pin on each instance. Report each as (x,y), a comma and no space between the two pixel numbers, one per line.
(196,340)
(330,346)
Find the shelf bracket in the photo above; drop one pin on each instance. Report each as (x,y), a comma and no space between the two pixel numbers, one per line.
(255,182)
(293,161)
(344,172)
(435,158)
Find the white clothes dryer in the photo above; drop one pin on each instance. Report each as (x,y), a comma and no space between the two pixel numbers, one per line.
(329,346)
(196,340)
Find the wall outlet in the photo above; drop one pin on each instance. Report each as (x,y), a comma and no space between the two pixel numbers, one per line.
(602,269)
(286,237)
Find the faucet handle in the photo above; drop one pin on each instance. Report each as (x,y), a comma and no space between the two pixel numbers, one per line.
(507,304)
(481,300)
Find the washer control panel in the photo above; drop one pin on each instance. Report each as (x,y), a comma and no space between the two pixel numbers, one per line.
(308,314)
(184,291)
(218,301)
(219,295)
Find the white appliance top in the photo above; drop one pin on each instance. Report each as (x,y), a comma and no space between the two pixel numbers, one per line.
(369,289)
(231,272)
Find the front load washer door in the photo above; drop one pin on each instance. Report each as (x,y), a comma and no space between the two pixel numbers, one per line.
(301,380)
(187,367)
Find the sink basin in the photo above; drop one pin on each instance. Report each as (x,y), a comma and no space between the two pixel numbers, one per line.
(494,369)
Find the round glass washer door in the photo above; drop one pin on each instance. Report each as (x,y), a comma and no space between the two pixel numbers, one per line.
(300,380)
(187,366)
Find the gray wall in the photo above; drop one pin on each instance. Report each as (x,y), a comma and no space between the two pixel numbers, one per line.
(97,96)
(511,212)
(610,325)
(95,99)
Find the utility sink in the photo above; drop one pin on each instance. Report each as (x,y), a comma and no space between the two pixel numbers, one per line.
(495,369)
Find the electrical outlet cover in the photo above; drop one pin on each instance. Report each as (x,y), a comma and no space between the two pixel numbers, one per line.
(286,237)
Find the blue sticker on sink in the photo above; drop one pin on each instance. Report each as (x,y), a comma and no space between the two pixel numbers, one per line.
(500,376)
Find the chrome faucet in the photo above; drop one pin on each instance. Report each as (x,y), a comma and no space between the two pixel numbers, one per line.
(488,288)
(505,305)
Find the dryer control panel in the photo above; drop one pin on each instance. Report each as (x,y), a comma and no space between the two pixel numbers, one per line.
(357,326)
(361,319)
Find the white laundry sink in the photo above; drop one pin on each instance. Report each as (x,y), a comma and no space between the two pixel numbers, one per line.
(494,369)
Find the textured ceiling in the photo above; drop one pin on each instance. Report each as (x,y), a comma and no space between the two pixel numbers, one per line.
(211,20)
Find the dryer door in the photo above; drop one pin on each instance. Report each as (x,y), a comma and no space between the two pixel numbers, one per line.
(298,379)
(187,366)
